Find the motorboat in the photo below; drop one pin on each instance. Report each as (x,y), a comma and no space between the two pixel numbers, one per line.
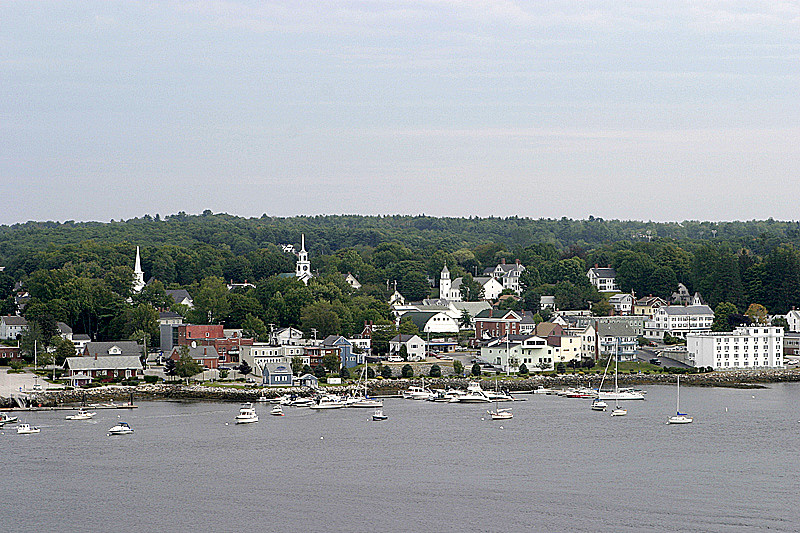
(262,399)
(501,396)
(474,394)
(277,411)
(599,405)
(302,402)
(581,392)
(82,414)
(415,392)
(364,402)
(679,418)
(622,394)
(501,414)
(27,429)
(442,395)
(542,390)
(618,411)
(247,414)
(122,428)
(327,402)
(5,418)
(378,414)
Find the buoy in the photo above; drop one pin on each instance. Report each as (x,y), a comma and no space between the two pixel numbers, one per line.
(322,438)
(501,427)
(753,397)
(726,409)
(483,418)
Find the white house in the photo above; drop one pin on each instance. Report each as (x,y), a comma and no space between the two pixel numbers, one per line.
(490,287)
(352,281)
(12,326)
(679,320)
(621,303)
(745,347)
(260,354)
(604,279)
(507,274)
(181,296)
(432,321)
(413,343)
(287,336)
(793,318)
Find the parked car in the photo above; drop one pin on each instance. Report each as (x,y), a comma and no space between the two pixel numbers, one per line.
(395,359)
(655,361)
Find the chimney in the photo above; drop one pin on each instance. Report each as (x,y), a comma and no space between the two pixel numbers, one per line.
(503,261)
(517,261)
(596,265)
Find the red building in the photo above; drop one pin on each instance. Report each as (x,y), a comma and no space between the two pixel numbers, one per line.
(228,348)
(491,323)
(9,353)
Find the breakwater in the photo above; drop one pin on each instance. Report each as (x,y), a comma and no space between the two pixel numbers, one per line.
(391,387)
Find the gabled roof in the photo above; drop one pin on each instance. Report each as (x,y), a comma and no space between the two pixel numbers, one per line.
(678,310)
(421,318)
(496,314)
(603,272)
(404,338)
(545,329)
(620,297)
(169,314)
(200,352)
(112,362)
(131,348)
(63,329)
(81,337)
(334,340)
(179,294)
(276,368)
(616,329)
(15,321)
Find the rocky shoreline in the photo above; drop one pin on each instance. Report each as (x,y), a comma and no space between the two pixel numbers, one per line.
(392,387)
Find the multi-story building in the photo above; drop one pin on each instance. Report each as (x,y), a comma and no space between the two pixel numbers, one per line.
(604,279)
(494,323)
(679,321)
(745,347)
(622,304)
(618,338)
(12,327)
(507,274)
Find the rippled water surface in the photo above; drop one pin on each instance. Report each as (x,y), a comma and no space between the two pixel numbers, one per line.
(556,466)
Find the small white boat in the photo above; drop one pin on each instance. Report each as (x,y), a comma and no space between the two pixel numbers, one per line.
(415,392)
(621,394)
(82,414)
(679,418)
(501,414)
(5,418)
(378,414)
(474,394)
(121,428)
(364,402)
(328,402)
(599,405)
(262,399)
(247,415)
(302,402)
(277,411)
(619,412)
(27,429)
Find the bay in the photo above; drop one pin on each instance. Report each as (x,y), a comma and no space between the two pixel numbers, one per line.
(556,466)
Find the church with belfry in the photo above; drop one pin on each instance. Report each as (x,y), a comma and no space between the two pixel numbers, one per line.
(138,274)
(302,269)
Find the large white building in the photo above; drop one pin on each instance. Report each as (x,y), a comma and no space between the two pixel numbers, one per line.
(679,321)
(745,347)
(604,279)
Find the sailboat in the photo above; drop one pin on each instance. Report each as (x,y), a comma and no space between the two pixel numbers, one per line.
(679,418)
(362,399)
(618,411)
(499,414)
(597,403)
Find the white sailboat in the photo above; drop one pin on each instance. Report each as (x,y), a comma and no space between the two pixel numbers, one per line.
(618,411)
(597,403)
(679,418)
(499,414)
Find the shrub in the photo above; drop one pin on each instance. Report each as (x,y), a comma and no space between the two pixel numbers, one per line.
(17,366)
(370,373)
(151,379)
(386,371)
(561,368)
(344,373)
(476,369)
(407,371)
(523,369)
(223,374)
(436,371)
(458,368)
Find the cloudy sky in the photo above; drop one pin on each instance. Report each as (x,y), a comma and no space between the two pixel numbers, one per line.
(637,110)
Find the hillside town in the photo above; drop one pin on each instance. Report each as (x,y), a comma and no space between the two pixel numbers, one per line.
(494,329)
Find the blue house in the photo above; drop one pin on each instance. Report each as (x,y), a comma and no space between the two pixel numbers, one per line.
(307,380)
(345,347)
(276,375)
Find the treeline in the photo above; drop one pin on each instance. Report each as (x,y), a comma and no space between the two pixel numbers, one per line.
(81,273)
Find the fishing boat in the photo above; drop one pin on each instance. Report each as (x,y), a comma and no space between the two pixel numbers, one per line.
(679,418)
(247,414)
(378,414)
(474,394)
(121,428)
(5,418)
(27,429)
(415,392)
(276,411)
(82,414)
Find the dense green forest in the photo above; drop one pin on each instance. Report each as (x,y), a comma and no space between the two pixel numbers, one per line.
(81,273)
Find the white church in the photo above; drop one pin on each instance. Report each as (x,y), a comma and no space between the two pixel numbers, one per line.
(302,269)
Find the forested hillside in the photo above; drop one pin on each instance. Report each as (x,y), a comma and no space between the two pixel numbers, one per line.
(80,272)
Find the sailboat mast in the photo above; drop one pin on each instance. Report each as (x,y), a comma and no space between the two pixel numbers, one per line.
(678,403)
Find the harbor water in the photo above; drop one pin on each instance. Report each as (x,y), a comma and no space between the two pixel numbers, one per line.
(556,466)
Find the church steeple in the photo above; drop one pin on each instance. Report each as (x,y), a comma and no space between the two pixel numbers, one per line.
(138,274)
(444,283)
(303,266)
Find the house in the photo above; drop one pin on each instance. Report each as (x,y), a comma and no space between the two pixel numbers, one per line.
(527,326)
(791,343)
(396,298)
(276,375)
(745,347)
(9,353)
(306,380)
(345,347)
(287,336)
(679,320)
(415,346)
(64,331)
(604,279)
(12,327)
(351,280)
(618,339)
(432,321)
(588,339)
(507,275)
(647,306)
(205,356)
(260,353)
(793,318)
(181,296)
(547,302)
(681,296)
(114,349)
(622,303)
(510,352)
(495,323)
(80,340)
(83,370)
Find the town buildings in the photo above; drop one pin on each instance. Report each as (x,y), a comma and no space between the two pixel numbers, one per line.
(679,321)
(604,279)
(744,348)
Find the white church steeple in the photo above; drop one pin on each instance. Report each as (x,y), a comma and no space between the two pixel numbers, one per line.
(138,274)
(444,283)
(303,266)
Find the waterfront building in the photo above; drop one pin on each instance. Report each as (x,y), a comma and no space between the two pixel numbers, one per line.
(112,349)
(793,318)
(205,356)
(679,321)
(432,321)
(618,338)
(791,343)
(277,375)
(348,358)
(492,323)
(622,303)
(746,347)
(82,370)
(259,354)
(415,346)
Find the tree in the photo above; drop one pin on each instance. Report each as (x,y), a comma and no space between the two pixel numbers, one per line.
(407,327)
(254,328)
(330,361)
(561,368)
(403,353)
(344,373)
(722,317)
(321,316)
(386,372)
(458,368)
(297,365)
(319,371)
(64,349)
(307,370)
(407,371)
(370,373)
(169,367)
(465,320)
(757,313)
(602,308)
(223,373)
(211,302)
(436,371)
(245,368)
(476,369)
(186,366)
(471,290)
(523,369)
(781,322)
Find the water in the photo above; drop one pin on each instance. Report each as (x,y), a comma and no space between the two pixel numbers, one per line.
(556,466)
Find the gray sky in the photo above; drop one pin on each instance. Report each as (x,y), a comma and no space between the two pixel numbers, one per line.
(643,110)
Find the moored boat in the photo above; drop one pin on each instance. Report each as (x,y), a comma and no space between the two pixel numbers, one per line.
(27,429)
(82,414)
(276,411)
(247,414)
(121,428)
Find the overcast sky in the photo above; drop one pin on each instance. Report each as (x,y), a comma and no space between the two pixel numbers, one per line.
(641,110)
